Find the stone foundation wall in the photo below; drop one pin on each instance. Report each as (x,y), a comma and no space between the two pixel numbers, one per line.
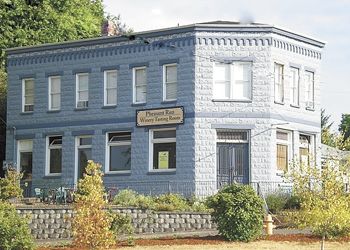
(54,222)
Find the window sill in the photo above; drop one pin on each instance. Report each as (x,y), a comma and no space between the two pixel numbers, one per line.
(138,104)
(27,113)
(108,106)
(169,101)
(53,111)
(162,172)
(310,109)
(279,103)
(231,100)
(80,109)
(119,173)
(295,106)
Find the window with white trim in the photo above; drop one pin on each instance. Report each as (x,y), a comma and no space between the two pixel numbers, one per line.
(110,87)
(283,149)
(54,155)
(295,86)
(82,90)
(232,81)
(25,158)
(169,82)
(306,149)
(28,95)
(279,82)
(309,91)
(163,149)
(54,93)
(118,152)
(140,85)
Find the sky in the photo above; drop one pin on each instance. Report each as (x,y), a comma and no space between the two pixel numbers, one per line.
(325,20)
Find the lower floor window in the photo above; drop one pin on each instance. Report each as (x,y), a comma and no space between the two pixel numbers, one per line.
(163,146)
(119,151)
(54,155)
(25,158)
(283,147)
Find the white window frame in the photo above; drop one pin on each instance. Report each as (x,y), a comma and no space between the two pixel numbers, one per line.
(77,90)
(134,83)
(311,146)
(310,104)
(77,147)
(24,94)
(165,82)
(50,94)
(105,103)
(289,144)
(232,81)
(47,167)
(161,140)
(281,98)
(108,145)
(20,150)
(295,86)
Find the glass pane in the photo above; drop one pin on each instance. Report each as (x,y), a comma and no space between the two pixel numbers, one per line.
(171,90)
(171,73)
(29,100)
(56,101)
(55,85)
(164,155)
(242,71)
(222,72)
(55,161)
(112,96)
(140,76)
(55,140)
(83,156)
(222,90)
(282,136)
(120,158)
(83,96)
(111,79)
(241,90)
(118,137)
(141,94)
(26,167)
(236,135)
(25,145)
(85,141)
(83,82)
(282,157)
(164,134)
(29,87)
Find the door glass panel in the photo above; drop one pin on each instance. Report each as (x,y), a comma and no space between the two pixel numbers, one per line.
(83,156)
(26,166)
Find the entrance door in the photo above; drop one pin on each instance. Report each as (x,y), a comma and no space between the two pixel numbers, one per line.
(25,164)
(83,154)
(232,163)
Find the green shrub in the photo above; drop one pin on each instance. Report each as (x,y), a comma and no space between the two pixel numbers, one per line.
(130,198)
(293,202)
(171,202)
(14,230)
(238,212)
(122,224)
(10,185)
(276,202)
(198,205)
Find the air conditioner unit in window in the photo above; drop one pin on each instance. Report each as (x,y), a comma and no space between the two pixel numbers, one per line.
(82,104)
(28,107)
(310,104)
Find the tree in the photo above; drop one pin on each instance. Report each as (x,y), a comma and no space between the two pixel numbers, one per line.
(92,225)
(344,126)
(327,137)
(324,204)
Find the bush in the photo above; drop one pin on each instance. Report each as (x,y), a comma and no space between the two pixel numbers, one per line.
(293,202)
(130,198)
(171,202)
(122,224)
(91,222)
(276,202)
(14,230)
(10,185)
(238,212)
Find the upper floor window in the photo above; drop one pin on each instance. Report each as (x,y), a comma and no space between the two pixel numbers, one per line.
(279,83)
(82,90)
(233,81)
(118,152)
(110,87)
(54,155)
(54,93)
(295,86)
(140,85)
(309,91)
(169,82)
(283,139)
(27,95)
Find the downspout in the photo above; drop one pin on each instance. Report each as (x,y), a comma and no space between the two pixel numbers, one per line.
(14,146)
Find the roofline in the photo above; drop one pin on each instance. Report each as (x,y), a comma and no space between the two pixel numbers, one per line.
(169,31)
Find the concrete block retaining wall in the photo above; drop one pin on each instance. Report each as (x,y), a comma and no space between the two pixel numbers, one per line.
(54,222)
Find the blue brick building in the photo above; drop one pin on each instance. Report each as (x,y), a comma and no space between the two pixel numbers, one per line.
(182,109)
